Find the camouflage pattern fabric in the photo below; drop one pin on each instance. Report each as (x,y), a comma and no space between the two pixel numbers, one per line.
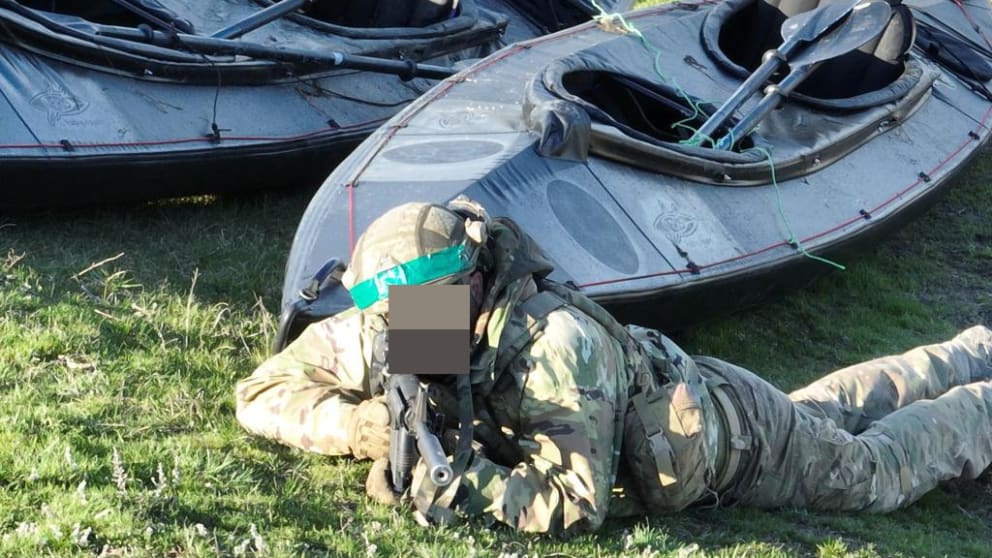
(304,395)
(560,401)
(875,436)
(560,450)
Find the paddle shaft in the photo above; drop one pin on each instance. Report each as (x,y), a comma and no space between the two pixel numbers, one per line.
(260,18)
(865,24)
(158,16)
(773,96)
(773,59)
(405,69)
(814,24)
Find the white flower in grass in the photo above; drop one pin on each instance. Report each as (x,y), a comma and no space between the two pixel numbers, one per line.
(33,476)
(175,471)
(69,459)
(56,531)
(257,540)
(628,541)
(79,536)
(81,491)
(370,548)
(26,528)
(160,481)
(201,530)
(118,473)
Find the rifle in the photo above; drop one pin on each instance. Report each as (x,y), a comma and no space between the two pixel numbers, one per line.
(414,433)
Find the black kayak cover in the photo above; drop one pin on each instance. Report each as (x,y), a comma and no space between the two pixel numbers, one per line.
(111,100)
(584,139)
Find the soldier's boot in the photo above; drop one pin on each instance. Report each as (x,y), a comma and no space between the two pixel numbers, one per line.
(856,396)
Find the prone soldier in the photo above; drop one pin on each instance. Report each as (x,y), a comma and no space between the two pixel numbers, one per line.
(578,418)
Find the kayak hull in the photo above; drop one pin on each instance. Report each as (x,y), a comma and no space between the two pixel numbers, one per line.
(91,114)
(663,233)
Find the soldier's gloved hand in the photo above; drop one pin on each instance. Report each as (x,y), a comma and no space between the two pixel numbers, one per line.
(379,487)
(368,429)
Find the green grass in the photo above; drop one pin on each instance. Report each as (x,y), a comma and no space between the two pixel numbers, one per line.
(123,331)
(137,357)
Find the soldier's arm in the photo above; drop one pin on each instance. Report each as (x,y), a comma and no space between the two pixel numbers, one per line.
(569,431)
(304,395)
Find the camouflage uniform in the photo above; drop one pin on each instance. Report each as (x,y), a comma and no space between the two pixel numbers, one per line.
(579,418)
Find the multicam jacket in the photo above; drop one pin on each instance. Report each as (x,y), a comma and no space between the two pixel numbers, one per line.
(564,396)
(552,387)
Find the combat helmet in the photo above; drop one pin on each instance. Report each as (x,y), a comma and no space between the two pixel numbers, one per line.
(415,244)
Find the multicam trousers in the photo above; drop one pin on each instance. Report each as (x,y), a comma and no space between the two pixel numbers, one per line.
(875,436)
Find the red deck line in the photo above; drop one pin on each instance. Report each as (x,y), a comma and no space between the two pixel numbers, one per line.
(351,220)
(442,90)
(974,24)
(198,139)
(815,236)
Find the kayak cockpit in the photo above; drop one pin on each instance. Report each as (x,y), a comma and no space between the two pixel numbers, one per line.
(641,109)
(386,19)
(738,33)
(124,13)
(385,13)
(649,107)
(236,43)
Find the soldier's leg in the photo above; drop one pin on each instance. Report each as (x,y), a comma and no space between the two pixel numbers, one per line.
(856,396)
(892,464)
(928,442)
(799,459)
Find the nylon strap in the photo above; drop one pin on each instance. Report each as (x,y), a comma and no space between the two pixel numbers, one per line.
(733,440)
(661,449)
(435,505)
(536,308)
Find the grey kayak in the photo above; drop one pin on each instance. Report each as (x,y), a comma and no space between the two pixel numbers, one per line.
(113,100)
(587,139)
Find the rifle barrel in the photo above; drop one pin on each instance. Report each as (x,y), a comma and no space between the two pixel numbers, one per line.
(433,455)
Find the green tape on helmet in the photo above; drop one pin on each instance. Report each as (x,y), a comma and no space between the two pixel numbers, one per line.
(429,268)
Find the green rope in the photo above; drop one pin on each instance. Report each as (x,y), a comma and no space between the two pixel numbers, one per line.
(781,211)
(697,139)
(616,18)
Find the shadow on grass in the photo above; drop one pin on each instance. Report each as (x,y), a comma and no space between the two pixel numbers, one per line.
(236,244)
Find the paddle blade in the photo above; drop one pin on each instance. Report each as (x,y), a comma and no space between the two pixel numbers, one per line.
(807,26)
(866,22)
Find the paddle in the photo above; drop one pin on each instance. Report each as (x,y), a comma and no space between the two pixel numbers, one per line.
(405,69)
(156,14)
(796,32)
(866,22)
(260,18)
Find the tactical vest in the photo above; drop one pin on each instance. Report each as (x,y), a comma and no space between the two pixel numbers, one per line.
(670,425)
